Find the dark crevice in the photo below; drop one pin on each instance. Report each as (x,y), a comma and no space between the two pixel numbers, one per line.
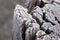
(36,3)
(36,19)
(43,16)
(50,22)
(34,37)
(46,20)
(48,31)
(30,8)
(57,20)
(41,28)
(24,30)
(41,25)
(42,4)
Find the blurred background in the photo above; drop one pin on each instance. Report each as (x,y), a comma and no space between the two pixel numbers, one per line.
(6,17)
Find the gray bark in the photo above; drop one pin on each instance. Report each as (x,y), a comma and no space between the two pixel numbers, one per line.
(39,21)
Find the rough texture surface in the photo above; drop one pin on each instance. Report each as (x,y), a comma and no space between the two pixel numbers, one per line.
(40,20)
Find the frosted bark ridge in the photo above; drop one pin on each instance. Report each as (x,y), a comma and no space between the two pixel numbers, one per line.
(40,20)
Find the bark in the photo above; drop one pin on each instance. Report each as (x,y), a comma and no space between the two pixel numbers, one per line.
(42,24)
